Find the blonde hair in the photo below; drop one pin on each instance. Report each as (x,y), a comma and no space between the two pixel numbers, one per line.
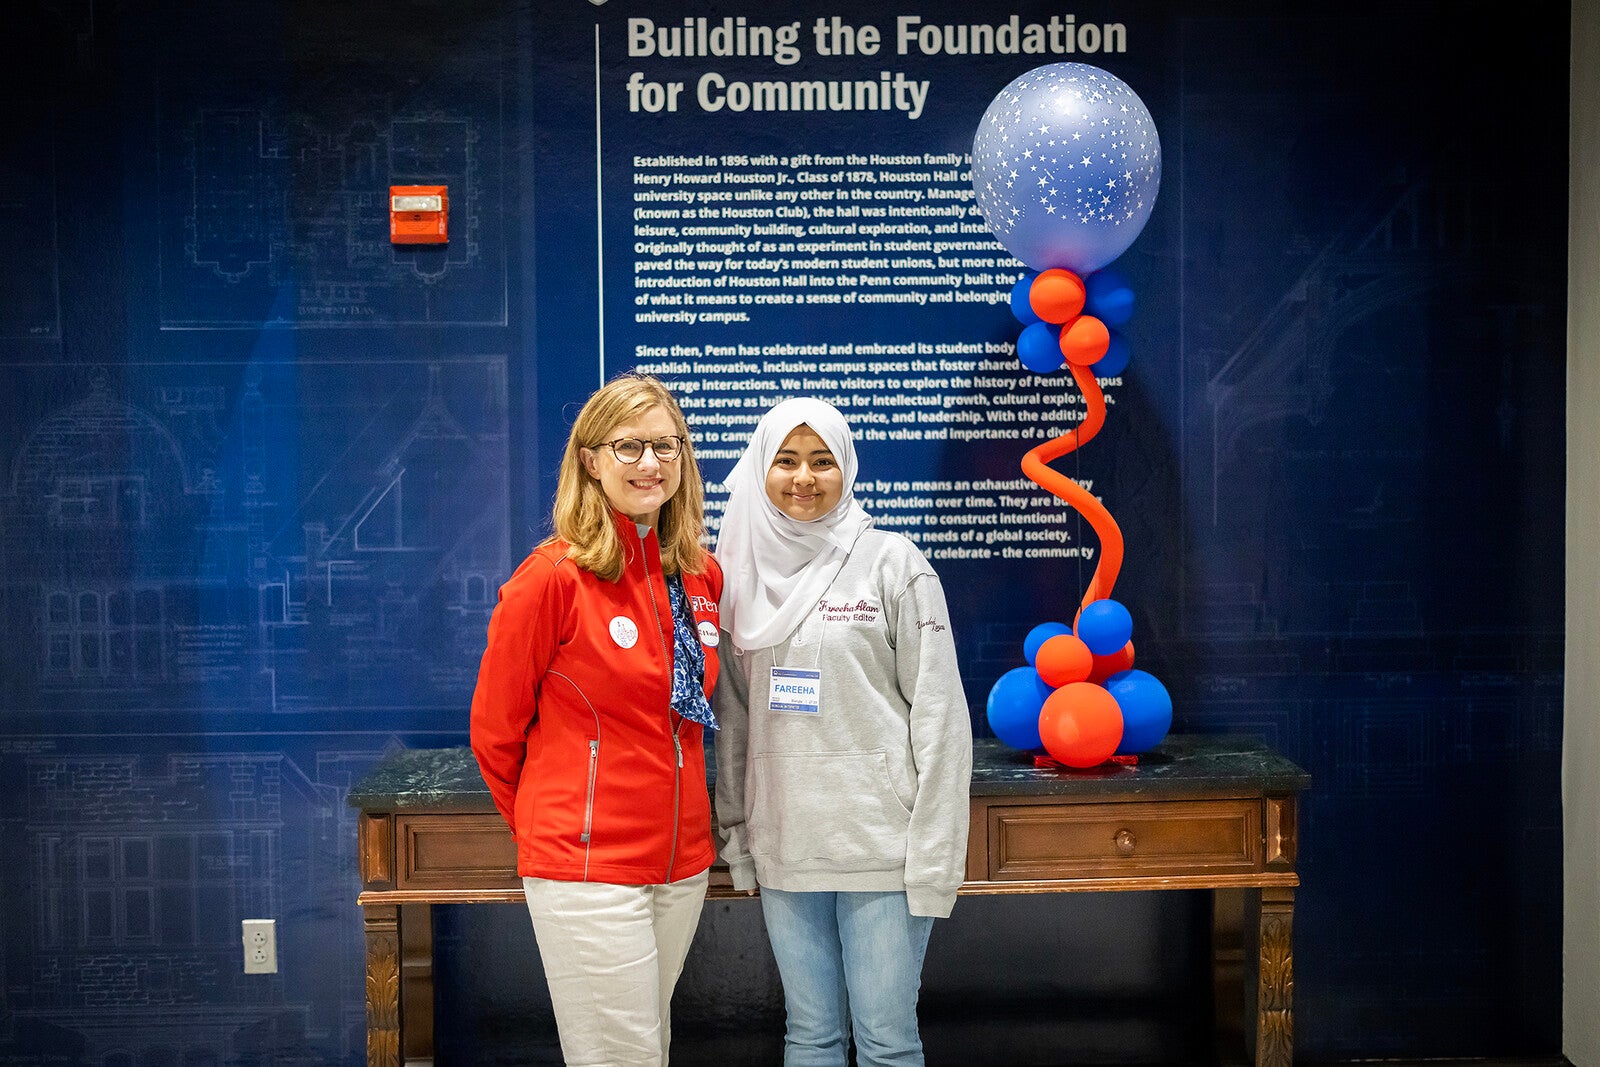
(582,513)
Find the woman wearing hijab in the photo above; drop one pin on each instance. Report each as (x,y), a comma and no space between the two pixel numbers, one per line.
(587,723)
(845,754)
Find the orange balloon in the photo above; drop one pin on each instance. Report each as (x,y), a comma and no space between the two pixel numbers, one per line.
(1081,725)
(1063,659)
(1056,295)
(1106,666)
(1084,340)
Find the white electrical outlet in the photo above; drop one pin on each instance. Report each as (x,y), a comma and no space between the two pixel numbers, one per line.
(260,946)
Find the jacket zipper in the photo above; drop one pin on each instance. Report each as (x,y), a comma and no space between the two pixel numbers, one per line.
(677,744)
(594,773)
(677,799)
(588,801)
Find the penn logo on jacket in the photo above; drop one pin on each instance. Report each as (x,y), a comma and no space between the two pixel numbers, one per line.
(624,631)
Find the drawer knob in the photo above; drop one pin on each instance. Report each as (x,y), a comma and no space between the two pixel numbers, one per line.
(1125,842)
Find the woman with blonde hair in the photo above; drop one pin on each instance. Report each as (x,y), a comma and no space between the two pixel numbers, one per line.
(587,723)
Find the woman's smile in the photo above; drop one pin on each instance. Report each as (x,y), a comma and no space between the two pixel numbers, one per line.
(804,481)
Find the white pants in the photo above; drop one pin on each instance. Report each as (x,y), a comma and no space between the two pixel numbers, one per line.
(612,954)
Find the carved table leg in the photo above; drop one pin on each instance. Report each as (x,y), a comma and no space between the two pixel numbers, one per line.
(382,923)
(416,982)
(1275,980)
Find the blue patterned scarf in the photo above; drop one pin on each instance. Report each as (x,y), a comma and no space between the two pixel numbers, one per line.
(688,661)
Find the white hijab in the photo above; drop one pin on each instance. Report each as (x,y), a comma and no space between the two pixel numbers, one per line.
(776,568)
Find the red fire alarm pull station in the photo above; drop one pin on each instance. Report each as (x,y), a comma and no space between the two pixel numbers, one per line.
(419,214)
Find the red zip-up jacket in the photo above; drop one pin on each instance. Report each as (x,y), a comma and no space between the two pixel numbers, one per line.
(599,779)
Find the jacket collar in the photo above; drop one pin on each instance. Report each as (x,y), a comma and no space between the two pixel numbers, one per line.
(632,542)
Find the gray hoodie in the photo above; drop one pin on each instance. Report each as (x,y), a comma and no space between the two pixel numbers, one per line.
(871,792)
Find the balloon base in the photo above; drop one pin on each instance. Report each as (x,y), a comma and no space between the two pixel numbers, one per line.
(1052,764)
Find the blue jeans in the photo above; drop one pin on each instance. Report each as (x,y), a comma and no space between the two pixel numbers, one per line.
(848,961)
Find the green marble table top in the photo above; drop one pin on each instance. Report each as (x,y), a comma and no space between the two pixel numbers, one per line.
(447,779)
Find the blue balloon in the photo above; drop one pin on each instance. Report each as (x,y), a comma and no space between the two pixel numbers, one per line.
(1105,626)
(1039,347)
(1014,705)
(1066,165)
(1020,306)
(1039,635)
(1115,361)
(1146,709)
(1108,297)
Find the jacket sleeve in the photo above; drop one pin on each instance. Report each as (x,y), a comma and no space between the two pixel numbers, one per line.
(524,632)
(941,745)
(733,718)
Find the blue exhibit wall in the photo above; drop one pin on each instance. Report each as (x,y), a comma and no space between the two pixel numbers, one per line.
(261,473)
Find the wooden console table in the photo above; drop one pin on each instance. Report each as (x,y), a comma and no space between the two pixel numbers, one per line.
(1197,812)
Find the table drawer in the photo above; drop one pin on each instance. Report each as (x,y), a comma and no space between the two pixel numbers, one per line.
(1109,840)
(455,852)
(476,852)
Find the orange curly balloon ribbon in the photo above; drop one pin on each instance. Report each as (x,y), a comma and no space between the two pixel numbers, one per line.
(1036,466)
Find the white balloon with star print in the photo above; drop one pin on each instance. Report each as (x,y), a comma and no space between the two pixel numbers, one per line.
(1066,164)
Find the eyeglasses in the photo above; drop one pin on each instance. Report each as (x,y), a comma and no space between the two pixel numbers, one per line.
(631,449)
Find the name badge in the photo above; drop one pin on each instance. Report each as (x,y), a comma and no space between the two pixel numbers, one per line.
(795,689)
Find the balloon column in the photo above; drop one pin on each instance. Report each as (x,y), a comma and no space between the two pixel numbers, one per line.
(1066,164)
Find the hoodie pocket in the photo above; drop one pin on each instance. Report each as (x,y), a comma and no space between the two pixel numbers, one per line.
(833,811)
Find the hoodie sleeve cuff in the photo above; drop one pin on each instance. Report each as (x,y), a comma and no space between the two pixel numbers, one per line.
(928,900)
(744,874)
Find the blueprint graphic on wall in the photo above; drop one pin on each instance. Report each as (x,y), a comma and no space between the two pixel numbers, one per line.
(276,537)
(275,208)
(143,856)
(262,470)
